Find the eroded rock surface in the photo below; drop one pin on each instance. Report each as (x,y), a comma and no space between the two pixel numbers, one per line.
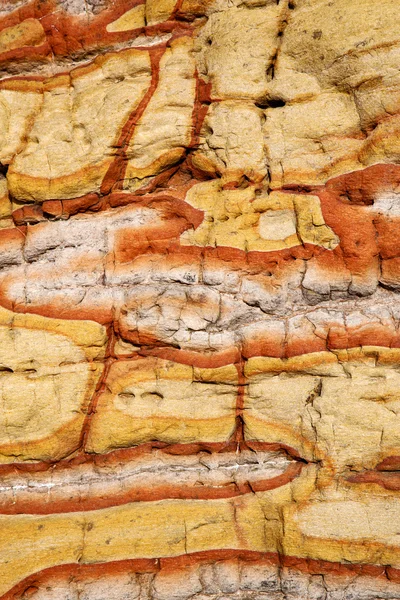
(199,284)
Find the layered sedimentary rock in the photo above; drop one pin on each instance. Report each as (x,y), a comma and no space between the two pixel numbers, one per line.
(199,276)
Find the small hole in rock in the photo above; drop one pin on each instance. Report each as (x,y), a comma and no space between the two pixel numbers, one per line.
(126,396)
(152,396)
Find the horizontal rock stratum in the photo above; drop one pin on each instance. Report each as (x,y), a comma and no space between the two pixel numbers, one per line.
(199,285)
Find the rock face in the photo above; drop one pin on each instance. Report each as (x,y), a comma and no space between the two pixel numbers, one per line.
(199,277)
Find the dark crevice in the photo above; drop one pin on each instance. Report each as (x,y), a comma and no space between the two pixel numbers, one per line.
(276,103)
(271,68)
(271,103)
(270,73)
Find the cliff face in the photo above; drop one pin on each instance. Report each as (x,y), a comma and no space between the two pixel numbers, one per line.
(199,283)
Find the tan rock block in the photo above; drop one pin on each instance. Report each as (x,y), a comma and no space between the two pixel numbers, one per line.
(350,412)
(382,145)
(309,142)
(277,225)
(358,59)
(46,363)
(131,19)
(257,522)
(19,104)
(169,114)
(341,529)
(70,145)
(372,76)
(172,585)
(6,223)
(232,141)
(231,219)
(356,418)
(314,44)
(270,416)
(383,356)
(216,375)
(289,86)
(27,33)
(159,10)
(236,48)
(155,399)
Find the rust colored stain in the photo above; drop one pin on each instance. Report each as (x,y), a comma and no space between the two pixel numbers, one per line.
(76,502)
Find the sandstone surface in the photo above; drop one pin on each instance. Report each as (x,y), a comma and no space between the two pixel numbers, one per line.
(199,285)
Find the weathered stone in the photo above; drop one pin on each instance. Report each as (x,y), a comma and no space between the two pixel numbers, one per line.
(199,279)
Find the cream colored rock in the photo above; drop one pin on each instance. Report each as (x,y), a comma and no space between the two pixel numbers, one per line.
(70,145)
(356,419)
(337,69)
(20,101)
(337,42)
(276,411)
(346,528)
(164,131)
(350,412)
(312,141)
(353,521)
(153,399)
(232,142)
(159,10)
(277,224)
(236,48)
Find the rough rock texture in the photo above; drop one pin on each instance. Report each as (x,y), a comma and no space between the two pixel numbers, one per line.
(199,284)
